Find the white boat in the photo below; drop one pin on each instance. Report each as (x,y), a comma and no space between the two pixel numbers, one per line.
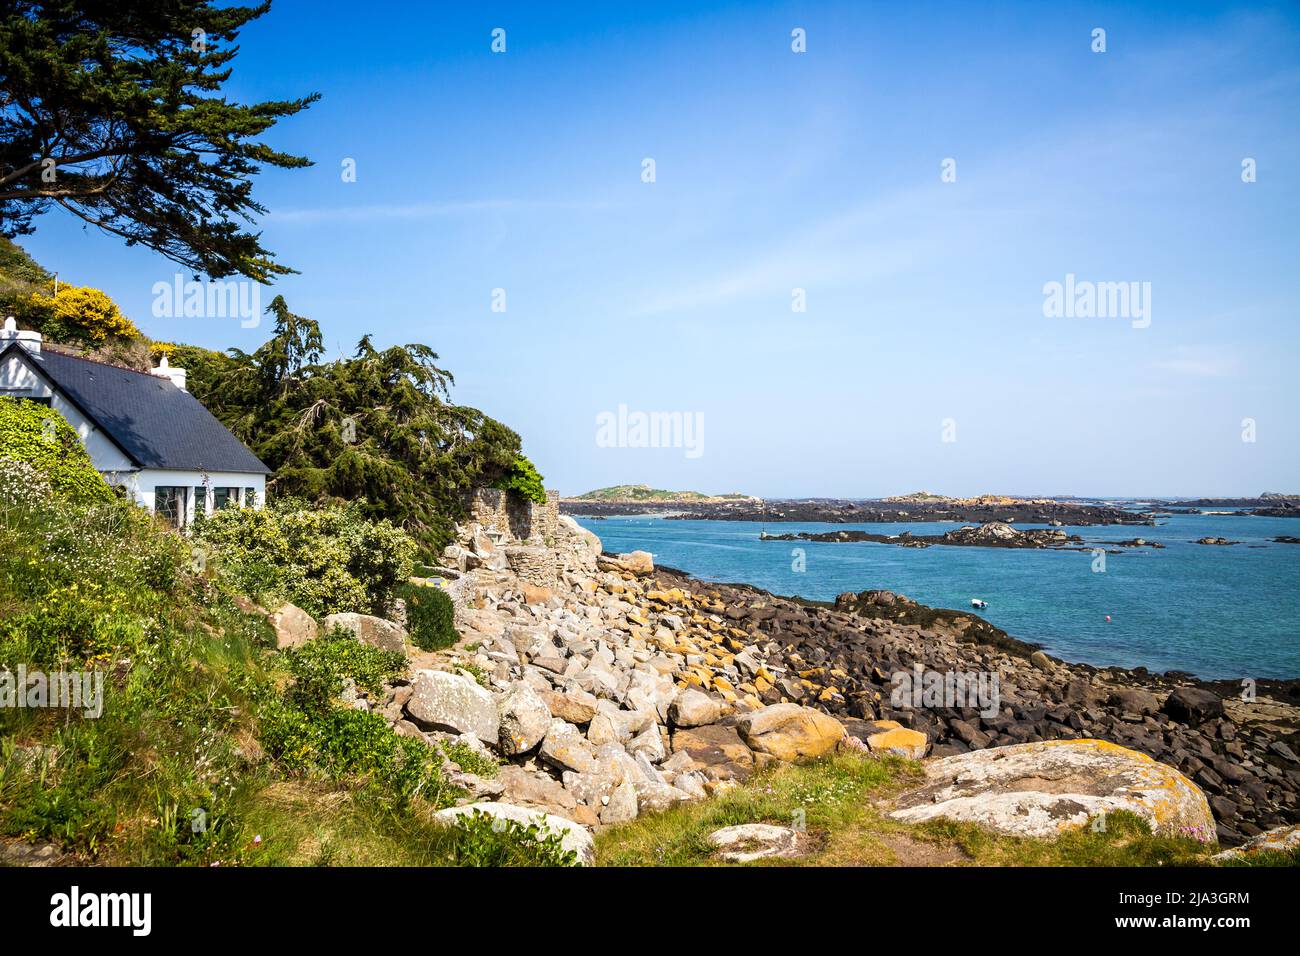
(976,602)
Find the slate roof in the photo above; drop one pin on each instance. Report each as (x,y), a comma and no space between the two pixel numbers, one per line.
(156,424)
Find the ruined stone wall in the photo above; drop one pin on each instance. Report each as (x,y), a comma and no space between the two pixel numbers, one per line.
(514,518)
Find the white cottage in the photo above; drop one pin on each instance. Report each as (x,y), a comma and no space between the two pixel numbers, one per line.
(144,431)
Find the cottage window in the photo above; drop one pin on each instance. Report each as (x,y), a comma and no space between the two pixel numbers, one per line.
(225,498)
(250,497)
(200,501)
(169,504)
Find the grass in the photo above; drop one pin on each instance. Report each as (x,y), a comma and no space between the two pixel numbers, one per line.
(840,800)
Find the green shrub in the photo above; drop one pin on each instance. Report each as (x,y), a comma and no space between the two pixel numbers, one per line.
(42,438)
(484,840)
(79,582)
(321,667)
(430,616)
(308,729)
(469,759)
(522,478)
(325,559)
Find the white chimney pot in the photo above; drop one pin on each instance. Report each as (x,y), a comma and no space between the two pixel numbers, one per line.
(177,376)
(28,340)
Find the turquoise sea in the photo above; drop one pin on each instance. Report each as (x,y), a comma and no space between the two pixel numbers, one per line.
(1218,612)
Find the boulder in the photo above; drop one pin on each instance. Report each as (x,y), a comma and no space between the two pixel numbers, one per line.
(371,630)
(655,797)
(589,542)
(747,842)
(523,718)
(565,748)
(715,750)
(650,744)
(575,706)
(790,732)
(536,594)
(526,788)
(1044,789)
(1191,705)
(292,625)
(1041,661)
(634,562)
(573,837)
(1133,701)
(478,788)
(442,701)
(890,738)
(622,805)
(691,708)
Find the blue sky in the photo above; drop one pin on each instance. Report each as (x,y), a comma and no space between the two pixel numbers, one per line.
(774,171)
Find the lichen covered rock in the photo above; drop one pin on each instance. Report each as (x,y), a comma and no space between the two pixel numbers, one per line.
(790,732)
(1047,788)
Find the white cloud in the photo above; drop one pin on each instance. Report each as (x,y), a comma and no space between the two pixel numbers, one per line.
(1199,362)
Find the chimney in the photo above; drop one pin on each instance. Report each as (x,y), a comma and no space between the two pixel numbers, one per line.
(176,375)
(31,341)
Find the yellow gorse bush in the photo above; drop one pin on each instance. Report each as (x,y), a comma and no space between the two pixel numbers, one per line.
(82,312)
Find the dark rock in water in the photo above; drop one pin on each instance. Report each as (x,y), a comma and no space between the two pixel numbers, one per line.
(1191,705)
(1210,540)
(995,534)
(1140,543)
(1286,539)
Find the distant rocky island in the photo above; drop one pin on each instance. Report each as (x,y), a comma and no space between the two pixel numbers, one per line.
(1267,505)
(644,494)
(916,506)
(919,506)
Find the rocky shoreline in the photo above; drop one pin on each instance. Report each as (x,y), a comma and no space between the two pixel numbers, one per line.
(845,656)
(606,687)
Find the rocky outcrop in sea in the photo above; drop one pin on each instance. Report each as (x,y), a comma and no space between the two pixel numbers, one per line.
(995,534)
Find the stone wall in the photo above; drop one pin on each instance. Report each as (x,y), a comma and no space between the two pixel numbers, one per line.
(504,540)
(513,518)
